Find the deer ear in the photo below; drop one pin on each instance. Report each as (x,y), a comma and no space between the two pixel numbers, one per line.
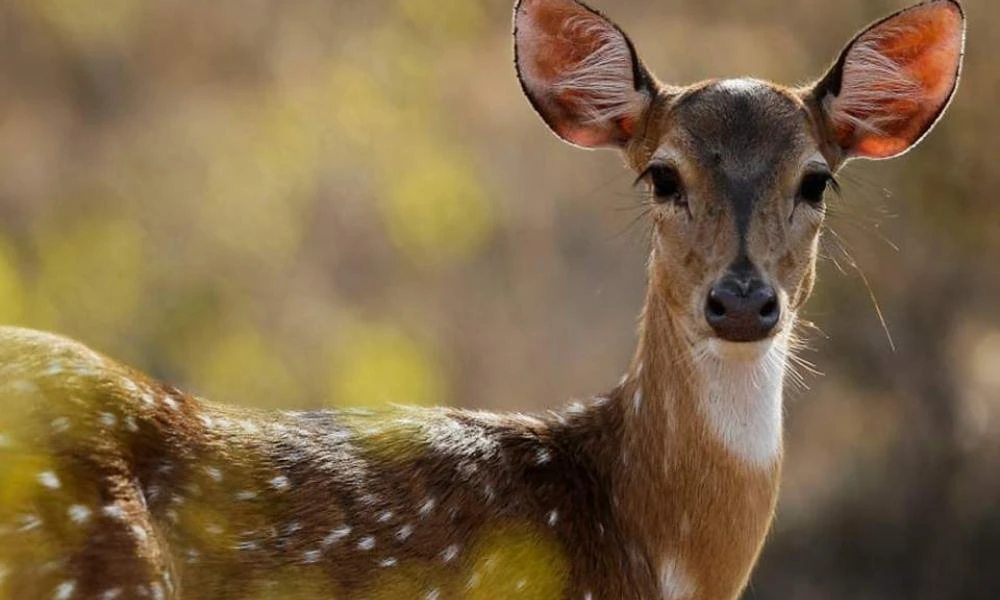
(893,80)
(580,72)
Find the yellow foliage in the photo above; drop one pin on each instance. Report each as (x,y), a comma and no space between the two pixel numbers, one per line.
(239,366)
(87,23)
(448,19)
(11,289)
(378,364)
(364,116)
(90,278)
(435,210)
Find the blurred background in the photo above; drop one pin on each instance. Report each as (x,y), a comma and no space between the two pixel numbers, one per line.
(333,202)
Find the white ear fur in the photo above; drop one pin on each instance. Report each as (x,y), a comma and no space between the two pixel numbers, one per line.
(579,71)
(875,80)
(603,79)
(894,80)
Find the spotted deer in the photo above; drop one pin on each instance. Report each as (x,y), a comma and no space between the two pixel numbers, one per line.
(113,485)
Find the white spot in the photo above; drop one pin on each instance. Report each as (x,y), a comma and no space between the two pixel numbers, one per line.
(292,527)
(280,483)
(114,511)
(637,399)
(521,583)
(170,403)
(388,562)
(214,473)
(214,529)
(206,421)
(434,594)
(542,456)
(157,590)
(404,532)
(449,553)
(54,368)
(139,532)
(743,399)
(246,495)
(385,516)
(130,424)
(588,596)
(427,506)
(111,594)
(247,546)
(473,580)
(60,424)
(49,480)
(29,522)
(488,491)
(153,491)
(108,419)
(310,556)
(553,518)
(193,555)
(675,584)
(336,535)
(64,591)
(366,543)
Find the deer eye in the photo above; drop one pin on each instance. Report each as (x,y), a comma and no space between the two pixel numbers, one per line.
(666,184)
(813,186)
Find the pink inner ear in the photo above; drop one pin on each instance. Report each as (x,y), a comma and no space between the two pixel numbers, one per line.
(577,69)
(555,53)
(897,78)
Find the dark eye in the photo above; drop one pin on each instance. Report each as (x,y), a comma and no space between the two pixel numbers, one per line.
(812,188)
(666,184)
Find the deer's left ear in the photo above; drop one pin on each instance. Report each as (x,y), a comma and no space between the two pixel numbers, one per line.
(580,72)
(893,81)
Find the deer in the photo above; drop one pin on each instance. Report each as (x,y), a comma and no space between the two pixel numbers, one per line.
(114,485)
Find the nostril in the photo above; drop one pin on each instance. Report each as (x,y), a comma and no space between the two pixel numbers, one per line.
(715,308)
(770,308)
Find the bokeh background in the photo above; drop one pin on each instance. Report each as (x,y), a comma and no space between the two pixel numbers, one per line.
(335,202)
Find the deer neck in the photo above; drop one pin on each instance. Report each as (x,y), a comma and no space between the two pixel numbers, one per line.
(701,450)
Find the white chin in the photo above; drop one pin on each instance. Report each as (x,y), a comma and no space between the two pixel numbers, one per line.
(741,351)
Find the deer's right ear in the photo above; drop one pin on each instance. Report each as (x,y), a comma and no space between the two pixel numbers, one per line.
(893,81)
(580,72)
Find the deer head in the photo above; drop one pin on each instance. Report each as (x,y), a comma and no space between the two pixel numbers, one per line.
(737,168)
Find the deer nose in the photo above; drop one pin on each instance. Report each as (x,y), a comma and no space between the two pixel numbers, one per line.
(742,311)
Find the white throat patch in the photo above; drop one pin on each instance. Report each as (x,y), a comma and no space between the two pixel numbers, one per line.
(743,399)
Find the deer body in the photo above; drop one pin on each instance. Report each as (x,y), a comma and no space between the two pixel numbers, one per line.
(113,485)
(628,495)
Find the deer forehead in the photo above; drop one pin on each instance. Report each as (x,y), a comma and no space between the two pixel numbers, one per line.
(740,130)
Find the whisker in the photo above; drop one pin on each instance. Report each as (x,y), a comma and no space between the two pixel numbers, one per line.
(871,293)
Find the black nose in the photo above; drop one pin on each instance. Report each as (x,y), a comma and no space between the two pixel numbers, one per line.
(742,310)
